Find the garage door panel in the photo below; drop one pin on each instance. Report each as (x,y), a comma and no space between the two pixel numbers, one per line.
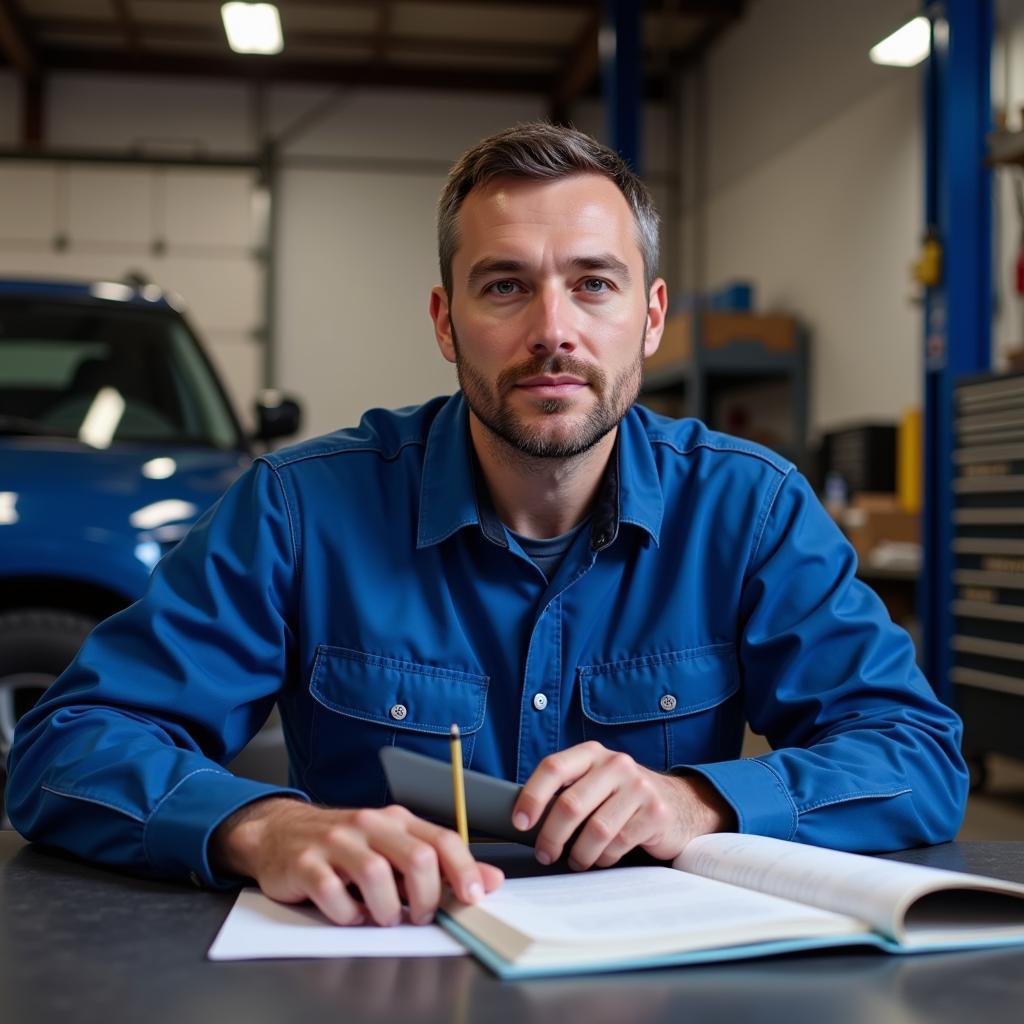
(28,202)
(107,205)
(212,208)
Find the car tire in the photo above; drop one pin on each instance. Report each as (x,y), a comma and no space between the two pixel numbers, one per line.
(36,645)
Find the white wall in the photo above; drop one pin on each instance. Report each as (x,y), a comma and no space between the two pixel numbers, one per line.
(814,192)
(813,165)
(827,229)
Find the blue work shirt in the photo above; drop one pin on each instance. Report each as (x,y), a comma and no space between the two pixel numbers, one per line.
(363,581)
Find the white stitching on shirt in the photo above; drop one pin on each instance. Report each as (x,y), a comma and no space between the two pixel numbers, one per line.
(767,508)
(165,797)
(849,798)
(93,800)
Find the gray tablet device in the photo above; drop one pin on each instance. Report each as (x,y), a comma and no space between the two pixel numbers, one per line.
(424,785)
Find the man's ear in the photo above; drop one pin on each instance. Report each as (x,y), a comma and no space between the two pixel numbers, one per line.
(440,313)
(657,306)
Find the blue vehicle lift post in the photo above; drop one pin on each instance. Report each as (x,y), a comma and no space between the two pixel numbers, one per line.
(621,55)
(957,328)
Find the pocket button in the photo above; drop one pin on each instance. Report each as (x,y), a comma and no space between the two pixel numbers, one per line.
(667,703)
(398,712)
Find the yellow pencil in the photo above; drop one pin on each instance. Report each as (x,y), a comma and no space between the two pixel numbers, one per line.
(459,786)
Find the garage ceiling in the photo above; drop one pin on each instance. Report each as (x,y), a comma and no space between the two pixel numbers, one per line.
(546,46)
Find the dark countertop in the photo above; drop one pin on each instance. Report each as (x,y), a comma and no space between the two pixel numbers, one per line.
(82,944)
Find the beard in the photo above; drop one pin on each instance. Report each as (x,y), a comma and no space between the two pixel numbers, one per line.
(490,403)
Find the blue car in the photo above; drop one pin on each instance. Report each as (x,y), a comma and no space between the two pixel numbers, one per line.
(115,436)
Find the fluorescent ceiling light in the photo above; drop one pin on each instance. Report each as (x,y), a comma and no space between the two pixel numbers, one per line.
(906,47)
(252,28)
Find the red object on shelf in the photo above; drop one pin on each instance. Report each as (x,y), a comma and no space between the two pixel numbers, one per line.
(1020,271)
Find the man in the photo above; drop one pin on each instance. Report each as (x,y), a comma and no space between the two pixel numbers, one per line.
(598,597)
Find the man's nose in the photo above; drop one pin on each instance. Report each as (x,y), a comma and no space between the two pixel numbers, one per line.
(551,326)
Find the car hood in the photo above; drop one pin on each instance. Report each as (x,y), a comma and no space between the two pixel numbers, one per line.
(62,486)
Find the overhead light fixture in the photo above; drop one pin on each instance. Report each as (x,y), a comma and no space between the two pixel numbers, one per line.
(252,28)
(906,47)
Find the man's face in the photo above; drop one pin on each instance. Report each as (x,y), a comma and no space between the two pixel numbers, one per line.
(549,320)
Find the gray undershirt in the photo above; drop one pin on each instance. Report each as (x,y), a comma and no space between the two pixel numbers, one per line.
(547,554)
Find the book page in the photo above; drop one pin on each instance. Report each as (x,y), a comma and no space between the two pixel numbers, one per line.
(876,891)
(634,908)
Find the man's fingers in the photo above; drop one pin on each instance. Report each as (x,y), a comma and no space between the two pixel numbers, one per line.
(604,831)
(322,884)
(492,876)
(417,863)
(457,865)
(553,773)
(574,806)
(357,858)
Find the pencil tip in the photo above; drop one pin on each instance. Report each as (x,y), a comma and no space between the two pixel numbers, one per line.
(455,731)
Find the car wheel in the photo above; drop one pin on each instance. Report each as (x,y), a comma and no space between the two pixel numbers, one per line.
(36,645)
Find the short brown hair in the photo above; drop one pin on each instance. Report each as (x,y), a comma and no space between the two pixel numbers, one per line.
(539,151)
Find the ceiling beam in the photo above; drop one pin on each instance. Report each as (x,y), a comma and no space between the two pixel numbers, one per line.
(240,67)
(579,71)
(127,22)
(14,41)
(383,31)
(177,33)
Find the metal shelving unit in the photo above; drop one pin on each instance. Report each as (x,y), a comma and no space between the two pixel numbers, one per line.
(988,575)
(706,354)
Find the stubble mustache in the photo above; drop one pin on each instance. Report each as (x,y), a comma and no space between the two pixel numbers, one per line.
(547,365)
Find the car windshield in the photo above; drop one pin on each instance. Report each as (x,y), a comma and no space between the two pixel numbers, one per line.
(106,374)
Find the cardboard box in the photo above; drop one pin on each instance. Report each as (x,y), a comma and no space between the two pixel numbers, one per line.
(873,518)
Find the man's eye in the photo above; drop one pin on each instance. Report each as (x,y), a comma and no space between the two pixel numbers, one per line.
(595,284)
(504,287)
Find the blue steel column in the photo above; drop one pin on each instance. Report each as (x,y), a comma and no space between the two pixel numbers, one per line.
(957,330)
(622,77)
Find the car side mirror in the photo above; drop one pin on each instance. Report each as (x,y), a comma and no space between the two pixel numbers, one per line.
(277,415)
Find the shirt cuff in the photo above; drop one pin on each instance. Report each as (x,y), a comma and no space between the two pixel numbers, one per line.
(178,831)
(755,792)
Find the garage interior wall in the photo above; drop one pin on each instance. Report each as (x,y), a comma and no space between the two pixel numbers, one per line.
(810,184)
(806,179)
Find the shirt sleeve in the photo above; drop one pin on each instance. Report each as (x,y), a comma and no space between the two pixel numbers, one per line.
(122,759)
(865,757)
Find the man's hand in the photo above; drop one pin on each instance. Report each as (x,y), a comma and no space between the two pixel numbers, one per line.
(622,804)
(296,852)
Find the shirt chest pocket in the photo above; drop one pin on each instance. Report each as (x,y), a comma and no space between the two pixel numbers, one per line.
(668,709)
(364,702)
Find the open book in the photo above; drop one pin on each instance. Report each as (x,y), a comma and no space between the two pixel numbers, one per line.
(730,897)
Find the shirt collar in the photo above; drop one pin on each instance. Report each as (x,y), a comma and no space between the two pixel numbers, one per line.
(453,493)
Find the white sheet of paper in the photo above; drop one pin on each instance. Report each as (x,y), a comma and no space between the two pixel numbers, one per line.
(258,928)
